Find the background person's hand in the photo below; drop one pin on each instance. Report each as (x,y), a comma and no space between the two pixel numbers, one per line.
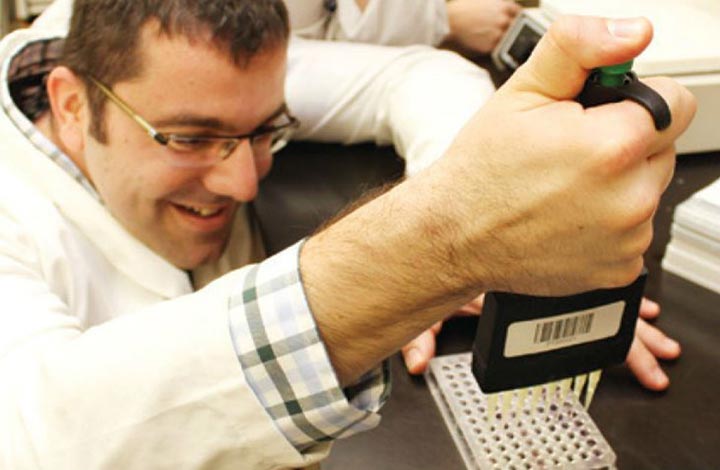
(418,352)
(650,345)
(476,26)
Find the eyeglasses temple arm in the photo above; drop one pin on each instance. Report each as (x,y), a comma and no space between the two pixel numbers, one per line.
(127,109)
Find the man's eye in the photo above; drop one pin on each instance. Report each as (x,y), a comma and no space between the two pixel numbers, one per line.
(282,120)
(263,136)
(190,144)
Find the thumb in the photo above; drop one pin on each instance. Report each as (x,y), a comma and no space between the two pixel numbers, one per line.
(572,47)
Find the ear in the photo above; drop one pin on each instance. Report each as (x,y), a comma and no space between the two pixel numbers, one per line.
(70,110)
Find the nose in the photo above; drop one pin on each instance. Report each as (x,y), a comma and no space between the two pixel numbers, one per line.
(236,176)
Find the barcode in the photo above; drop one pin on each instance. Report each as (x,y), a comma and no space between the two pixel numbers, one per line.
(563,329)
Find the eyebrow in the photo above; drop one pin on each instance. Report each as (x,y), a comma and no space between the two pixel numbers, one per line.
(205,122)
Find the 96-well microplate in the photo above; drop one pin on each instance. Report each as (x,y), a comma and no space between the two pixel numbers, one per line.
(545,431)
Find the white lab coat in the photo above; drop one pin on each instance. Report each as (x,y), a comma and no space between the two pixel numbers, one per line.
(358,76)
(387,22)
(99,368)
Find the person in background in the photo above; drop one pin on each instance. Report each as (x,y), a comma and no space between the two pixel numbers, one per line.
(474,25)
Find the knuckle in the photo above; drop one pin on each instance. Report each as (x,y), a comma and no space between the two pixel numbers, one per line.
(621,150)
(622,272)
(605,51)
(626,273)
(642,207)
(646,238)
(670,155)
(565,29)
(633,212)
(640,242)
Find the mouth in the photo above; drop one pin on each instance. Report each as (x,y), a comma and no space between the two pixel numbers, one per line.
(204,212)
(204,218)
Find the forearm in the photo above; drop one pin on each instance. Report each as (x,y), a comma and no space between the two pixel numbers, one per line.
(384,273)
(384,94)
(394,23)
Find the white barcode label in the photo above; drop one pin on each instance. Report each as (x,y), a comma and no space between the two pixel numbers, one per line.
(556,330)
(561,331)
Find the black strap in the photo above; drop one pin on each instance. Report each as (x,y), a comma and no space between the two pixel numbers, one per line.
(595,94)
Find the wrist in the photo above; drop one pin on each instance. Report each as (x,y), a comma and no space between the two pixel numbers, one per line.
(451,9)
(391,267)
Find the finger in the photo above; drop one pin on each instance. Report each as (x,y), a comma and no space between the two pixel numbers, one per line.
(626,115)
(663,164)
(572,47)
(652,175)
(645,367)
(682,104)
(512,9)
(468,311)
(657,342)
(649,310)
(634,243)
(474,307)
(418,352)
(501,25)
(632,146)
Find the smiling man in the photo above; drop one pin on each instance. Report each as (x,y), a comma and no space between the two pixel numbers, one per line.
(126,185)
(177,190)
(135,338)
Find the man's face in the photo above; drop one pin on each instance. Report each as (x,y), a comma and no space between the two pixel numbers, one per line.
(184,214)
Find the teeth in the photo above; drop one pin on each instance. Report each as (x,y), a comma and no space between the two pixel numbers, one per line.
(202,211)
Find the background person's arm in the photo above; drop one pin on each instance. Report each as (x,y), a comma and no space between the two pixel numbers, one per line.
(415,98)
(473,26)
(393,23)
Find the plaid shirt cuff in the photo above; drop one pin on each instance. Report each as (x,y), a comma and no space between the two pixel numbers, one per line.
(286,364)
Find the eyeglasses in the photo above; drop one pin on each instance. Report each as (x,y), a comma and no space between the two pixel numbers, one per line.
(206,150)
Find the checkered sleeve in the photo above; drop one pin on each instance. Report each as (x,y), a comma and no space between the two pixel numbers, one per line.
(285,362)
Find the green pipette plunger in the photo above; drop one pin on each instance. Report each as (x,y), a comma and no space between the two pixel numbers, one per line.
(614,75)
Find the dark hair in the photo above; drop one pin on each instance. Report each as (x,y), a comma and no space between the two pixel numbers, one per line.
(104,34)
